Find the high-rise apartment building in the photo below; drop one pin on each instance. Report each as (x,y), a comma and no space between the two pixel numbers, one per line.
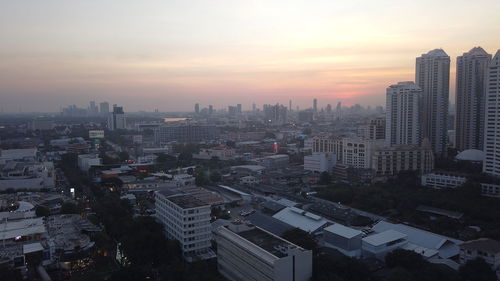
(315,106)
(472,68)
(375,130)
(491,164)
(104,108)
(432,75)
(197,108)
(402,116)
(116,119)
(93,110)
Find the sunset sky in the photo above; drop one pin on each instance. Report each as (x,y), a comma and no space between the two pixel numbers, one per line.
(171,54)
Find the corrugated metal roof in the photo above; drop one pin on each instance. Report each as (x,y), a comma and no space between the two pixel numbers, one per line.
(343,231)
(297,218)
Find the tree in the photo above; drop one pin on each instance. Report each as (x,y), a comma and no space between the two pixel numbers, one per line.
(325,178)
(10,274)
(42,211)
(301,238)
(339,268)
(400,274)
(477,270)
(123,155)
(215,177)
(405,259)
(70,208)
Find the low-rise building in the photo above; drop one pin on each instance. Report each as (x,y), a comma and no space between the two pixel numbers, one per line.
(221,152)
(273,161)
(440,180)
(345,239)
(484,248)
(85,161)
(299,218)
(319,162)
(490,190)
(389,161)
(378,245)
(249,253)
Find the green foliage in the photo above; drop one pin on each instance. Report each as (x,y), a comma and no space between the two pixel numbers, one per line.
(70,208)
(405,259)
(215,176)
(339,268)
(123,156)
(402,198)
(477,270)
(325,178)
(301,238)
(42,211)
(408,265)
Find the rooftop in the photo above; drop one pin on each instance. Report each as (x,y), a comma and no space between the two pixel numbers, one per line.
(299,218)
(271,243)
(471,155)
(384,237)
(343,231)
(186,201)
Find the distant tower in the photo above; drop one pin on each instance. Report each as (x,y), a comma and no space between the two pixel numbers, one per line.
(339,110)
(315,105)
(254,107)
(197,108)
(238,108)
(290,105)
(491,164)
(472,68)
(432,75)
(104,108)
(402,114)
(93,110)
(210,109)
(116,119)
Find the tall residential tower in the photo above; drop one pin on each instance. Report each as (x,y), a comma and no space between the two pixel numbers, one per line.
(492,125)
(402,117)
(472,68)
(432,75)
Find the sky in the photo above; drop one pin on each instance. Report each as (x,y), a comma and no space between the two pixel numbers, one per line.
(170,54)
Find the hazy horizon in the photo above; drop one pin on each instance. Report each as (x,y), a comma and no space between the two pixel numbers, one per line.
(170,55)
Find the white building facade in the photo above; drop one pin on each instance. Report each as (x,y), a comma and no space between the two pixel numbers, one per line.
(187,220)
(402,122)
(491,163)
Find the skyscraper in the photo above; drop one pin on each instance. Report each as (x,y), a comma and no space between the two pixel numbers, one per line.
(491,164)
(315,105)
(197,108)
(402,116)
(432,75)
(93,110)
(104,108)
(116,119)
(472,68)
(290,105)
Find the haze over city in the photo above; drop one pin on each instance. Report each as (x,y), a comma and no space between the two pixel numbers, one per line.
(168,55)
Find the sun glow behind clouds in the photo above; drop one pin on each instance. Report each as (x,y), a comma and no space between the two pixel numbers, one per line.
(174,53)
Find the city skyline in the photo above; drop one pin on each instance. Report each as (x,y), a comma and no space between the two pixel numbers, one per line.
(169,56)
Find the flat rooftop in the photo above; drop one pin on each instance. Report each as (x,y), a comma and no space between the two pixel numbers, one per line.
(266,241)
(186,201)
